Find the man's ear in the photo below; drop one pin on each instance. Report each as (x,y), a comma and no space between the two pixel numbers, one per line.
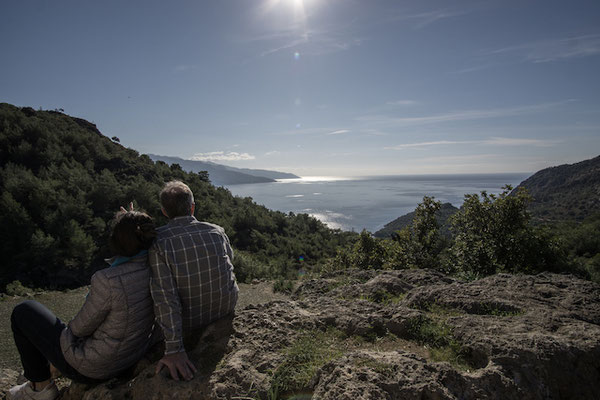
(193,208)
(164,212)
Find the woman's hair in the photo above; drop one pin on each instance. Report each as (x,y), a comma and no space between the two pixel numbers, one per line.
(176,198)
(132,232)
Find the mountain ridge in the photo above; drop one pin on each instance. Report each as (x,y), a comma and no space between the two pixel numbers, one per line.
(565,192)
(223,174)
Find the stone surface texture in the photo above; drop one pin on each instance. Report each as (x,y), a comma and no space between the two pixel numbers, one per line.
(520,337)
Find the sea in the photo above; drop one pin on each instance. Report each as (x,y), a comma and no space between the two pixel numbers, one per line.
(357,203)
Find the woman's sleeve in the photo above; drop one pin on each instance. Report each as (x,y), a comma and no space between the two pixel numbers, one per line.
(95,309)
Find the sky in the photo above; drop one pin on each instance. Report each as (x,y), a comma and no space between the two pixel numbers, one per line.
(319,87)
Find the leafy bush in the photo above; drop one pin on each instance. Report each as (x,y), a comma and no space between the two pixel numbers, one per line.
(421,243)
(16,288)
(493,234)
(283,285)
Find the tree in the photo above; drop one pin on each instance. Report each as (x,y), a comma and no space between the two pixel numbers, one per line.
(493,234)
(420,243)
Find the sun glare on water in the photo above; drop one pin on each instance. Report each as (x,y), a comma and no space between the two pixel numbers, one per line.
(313,179)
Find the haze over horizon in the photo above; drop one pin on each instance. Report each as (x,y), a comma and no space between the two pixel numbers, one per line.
(316,87)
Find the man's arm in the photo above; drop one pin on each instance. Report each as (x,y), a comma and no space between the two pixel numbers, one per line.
(167,307)
(228,248)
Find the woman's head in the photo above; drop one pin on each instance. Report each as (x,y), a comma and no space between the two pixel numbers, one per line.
(132,232)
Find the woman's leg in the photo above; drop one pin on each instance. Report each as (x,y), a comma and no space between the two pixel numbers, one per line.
(37,335)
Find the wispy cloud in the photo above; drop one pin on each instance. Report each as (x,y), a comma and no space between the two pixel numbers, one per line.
(493,141)
(403,103)
(423,19)
(303,131)
(272,153)
(374,132)
(459,115)
(474,68)
(306,40)
(183,68)
(222,156)
(309,42)
(426,144)
(541,51)
(338,132)
(554,49)
(503,141)
(427,18)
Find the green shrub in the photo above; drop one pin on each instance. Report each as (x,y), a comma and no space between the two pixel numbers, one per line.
(493,234)
(16,288)
(283,285)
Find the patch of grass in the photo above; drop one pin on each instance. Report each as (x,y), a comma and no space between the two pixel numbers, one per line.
(381,297)
(377,366)
(343,281)
(384,297)
(441,310)
(283,285)
(64,304)
(499,310)
(303,359)
(443,345)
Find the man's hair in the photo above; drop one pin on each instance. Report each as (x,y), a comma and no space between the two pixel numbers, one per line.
(132,232)
(177,199)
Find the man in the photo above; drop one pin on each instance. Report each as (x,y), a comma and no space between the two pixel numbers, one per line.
(192,281)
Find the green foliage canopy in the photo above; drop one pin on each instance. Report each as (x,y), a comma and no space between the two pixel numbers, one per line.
(62,181)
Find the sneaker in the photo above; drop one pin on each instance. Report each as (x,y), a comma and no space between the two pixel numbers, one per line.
(26,392)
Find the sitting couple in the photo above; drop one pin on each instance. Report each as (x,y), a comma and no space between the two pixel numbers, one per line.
(174,279)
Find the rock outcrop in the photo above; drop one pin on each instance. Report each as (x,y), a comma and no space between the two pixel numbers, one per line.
(412,334)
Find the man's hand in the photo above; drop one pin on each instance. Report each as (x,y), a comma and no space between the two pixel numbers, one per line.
(177,363)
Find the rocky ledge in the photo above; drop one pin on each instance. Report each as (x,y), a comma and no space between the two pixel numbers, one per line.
(412,334)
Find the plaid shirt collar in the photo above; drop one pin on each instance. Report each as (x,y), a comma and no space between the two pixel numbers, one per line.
(181,221)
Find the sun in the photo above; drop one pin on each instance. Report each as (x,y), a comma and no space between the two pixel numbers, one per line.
(298,6)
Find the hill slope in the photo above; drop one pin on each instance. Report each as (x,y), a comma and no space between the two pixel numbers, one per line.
(218,174)
(445,212)
(265,173)
(566,192)
(61,182)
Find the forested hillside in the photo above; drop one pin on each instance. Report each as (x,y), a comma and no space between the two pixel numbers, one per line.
(219,174)
(569,192)
(223,174)
(442,216)
(62,181)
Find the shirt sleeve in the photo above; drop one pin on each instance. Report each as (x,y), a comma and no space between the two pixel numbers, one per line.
(167,305)
(228,248)
(95,309)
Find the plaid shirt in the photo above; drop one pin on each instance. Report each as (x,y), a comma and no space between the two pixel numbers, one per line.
(192,281)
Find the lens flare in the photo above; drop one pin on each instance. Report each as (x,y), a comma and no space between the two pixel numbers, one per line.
(296,56)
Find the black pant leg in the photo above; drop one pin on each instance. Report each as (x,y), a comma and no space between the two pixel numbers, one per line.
(37,336)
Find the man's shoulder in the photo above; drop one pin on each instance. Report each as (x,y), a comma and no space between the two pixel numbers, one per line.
(188,226)
(210,226)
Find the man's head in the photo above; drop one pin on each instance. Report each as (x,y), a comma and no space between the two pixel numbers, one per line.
(177,200)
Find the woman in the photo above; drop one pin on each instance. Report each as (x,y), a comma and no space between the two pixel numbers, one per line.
(111,331)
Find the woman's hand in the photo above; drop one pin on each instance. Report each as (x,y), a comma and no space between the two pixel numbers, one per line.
(130,207)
